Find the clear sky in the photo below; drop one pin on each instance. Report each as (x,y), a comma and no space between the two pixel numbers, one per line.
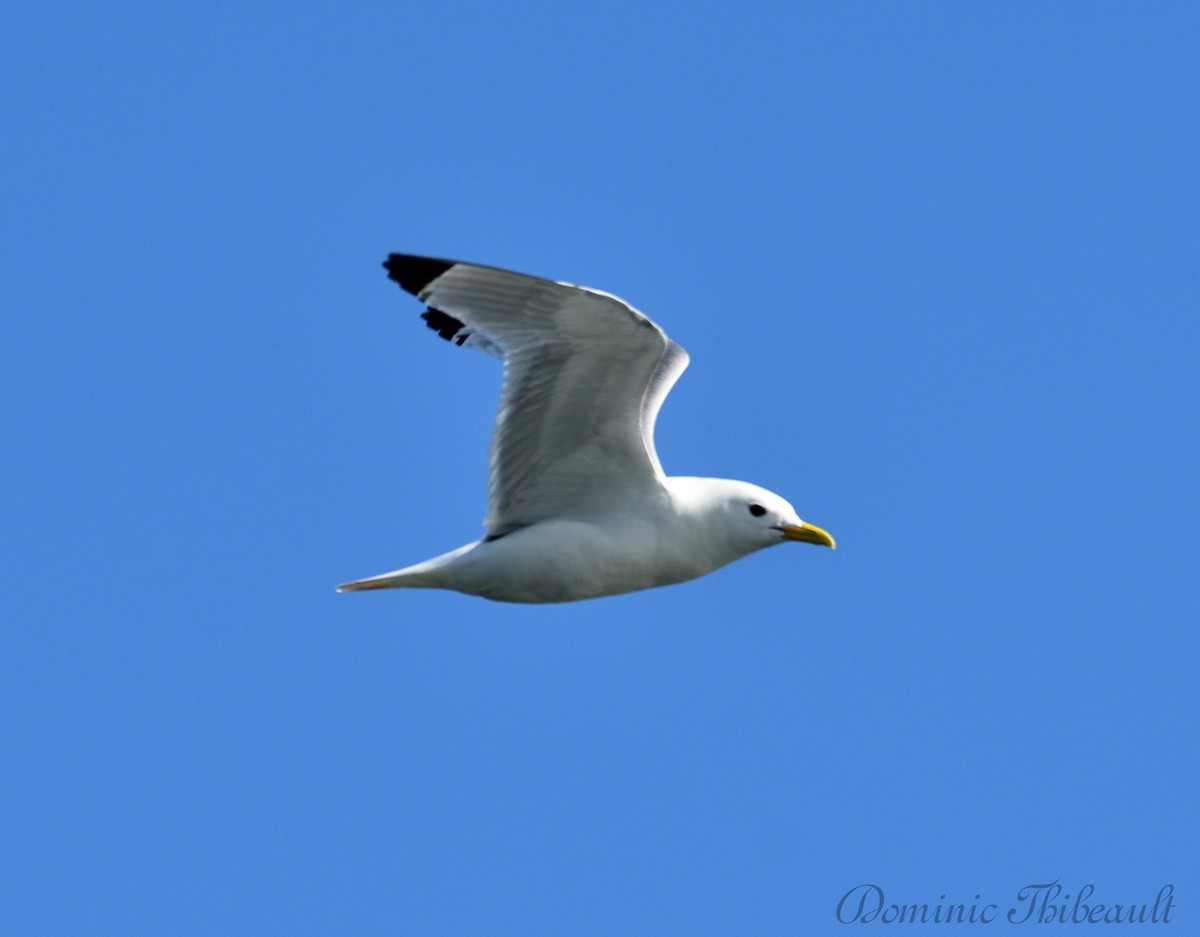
(936,266)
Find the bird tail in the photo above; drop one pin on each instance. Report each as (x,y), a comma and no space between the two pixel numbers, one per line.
(436,573)
(394,580)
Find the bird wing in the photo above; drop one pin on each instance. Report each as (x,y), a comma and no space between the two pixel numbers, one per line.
(584,376)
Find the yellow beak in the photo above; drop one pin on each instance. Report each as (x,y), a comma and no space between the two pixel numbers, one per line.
(808,533)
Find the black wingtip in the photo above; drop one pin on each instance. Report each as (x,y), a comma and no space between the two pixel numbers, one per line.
(415,273)
(448,327)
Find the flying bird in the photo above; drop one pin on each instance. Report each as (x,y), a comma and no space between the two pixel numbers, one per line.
(578,503)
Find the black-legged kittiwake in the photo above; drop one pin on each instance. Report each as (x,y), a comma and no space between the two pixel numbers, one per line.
(578,504)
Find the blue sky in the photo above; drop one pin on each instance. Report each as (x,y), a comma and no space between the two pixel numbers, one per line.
(936,268)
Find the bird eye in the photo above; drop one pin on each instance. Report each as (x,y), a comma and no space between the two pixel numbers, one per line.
(757,510)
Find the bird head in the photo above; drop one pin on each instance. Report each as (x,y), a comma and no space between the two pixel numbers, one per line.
(750,517)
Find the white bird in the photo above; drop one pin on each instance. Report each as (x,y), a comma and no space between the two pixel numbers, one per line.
(578,504)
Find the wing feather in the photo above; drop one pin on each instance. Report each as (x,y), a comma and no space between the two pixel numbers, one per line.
(584,376)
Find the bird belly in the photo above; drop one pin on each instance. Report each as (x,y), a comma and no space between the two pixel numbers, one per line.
(565,560)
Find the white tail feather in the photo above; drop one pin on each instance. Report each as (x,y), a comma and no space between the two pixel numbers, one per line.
(432,574)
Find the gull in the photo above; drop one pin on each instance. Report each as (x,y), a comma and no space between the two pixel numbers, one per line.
(578,503)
